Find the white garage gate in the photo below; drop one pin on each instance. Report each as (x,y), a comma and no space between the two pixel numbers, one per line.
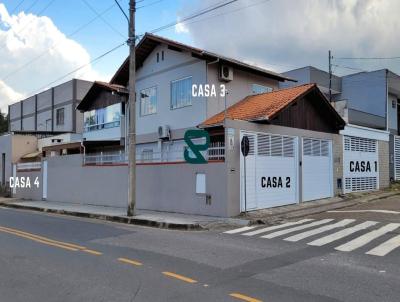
(317,169)
(271,174)
(360,164)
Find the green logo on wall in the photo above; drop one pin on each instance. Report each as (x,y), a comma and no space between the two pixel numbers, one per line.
(194,149)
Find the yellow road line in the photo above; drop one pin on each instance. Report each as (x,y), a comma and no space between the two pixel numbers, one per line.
(43,238)
(244,297)
(179,277)
(41,241)
(92,252)
(129,261)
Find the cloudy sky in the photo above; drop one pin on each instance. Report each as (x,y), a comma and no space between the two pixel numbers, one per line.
(43,40)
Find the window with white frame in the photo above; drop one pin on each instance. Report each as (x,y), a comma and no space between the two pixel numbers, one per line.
(148,101)
(181,93)
(257,89)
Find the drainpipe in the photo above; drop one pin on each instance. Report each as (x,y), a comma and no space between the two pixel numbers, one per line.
(387,100)
(209,63)
(84,153)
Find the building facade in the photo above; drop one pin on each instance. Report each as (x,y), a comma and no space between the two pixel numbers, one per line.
(52,111)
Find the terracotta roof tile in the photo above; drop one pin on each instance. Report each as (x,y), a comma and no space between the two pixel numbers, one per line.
(261,106)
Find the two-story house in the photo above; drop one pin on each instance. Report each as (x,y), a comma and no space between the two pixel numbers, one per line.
(171,83)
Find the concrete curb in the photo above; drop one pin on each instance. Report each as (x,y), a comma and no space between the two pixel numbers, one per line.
(120,219)
(317,209)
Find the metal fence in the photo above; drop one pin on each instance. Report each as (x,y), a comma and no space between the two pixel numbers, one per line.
(29,166)
(216,151)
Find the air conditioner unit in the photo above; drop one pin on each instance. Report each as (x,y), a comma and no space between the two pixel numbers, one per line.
(225,73)
(164,132)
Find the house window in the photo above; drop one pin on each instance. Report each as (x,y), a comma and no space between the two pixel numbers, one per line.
(60,116)
(148,101)
(162,55)
(394,104)
(257,89)
(158,57)
(181,93)
(102,118)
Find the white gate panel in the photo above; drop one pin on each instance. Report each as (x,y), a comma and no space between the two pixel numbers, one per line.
(317,169)
(360,164)
(396,156)
(271,171)
(44,180)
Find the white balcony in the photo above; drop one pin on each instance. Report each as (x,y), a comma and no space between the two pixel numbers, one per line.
(103,132)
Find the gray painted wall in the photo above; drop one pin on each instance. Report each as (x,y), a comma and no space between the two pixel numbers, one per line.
(34,192)
(68,181)
(6,147)
(172,188)
(168,187)
(366,91)
(66,95)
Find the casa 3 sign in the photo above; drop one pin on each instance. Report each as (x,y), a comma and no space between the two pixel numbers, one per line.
(193,154)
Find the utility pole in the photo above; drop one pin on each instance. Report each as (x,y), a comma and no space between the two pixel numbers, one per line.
(330,77)
(132,112)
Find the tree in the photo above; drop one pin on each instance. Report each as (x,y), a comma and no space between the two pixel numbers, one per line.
(3,123)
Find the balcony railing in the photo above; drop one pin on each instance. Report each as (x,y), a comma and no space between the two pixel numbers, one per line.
(89,128)
(216,152)
(105,158)
(29,166)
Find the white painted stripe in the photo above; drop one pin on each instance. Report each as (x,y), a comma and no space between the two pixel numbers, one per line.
(343,233)
(386,247)
(276,227)
(298,228)
(239,230)
(366,211)
(366,238)
(320,230)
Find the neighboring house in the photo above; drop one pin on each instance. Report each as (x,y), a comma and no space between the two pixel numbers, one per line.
(165,106)
(367,101)
(52,111)
(12,149)
(104,131)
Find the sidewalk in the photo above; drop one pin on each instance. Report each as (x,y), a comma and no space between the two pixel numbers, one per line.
(145,218)
(198,222)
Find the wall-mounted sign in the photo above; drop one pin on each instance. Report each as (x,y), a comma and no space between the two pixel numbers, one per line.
(192,153)
(231,139)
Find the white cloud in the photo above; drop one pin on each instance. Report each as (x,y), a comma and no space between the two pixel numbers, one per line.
(24,37)
(286,33)
(7,96)
(181,28)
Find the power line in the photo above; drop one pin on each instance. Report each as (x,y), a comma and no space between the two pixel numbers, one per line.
(103,19)
(229,12)
(367,58)
(150,4)
(17,6)
(122,10)
(77,69)
(54,45)
(200,13)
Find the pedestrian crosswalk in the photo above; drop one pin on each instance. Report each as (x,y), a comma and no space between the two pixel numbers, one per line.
(352,235)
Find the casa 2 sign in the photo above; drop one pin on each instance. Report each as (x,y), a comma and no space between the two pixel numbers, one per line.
(275,182)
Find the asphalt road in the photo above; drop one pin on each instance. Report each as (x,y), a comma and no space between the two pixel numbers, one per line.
(78,259)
